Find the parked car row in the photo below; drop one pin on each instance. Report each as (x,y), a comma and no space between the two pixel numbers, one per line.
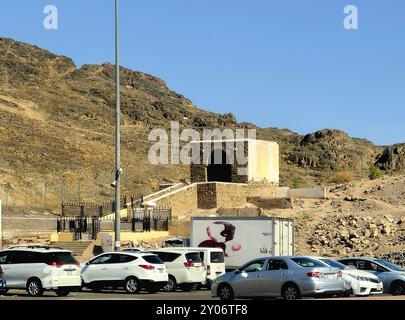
(39,268)
(293,277)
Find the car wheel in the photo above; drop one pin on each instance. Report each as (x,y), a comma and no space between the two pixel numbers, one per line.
(171,285)
(290,291)
(62,292)
(398,288)
(225,292)
(186,287)
(132,285)
(34,288)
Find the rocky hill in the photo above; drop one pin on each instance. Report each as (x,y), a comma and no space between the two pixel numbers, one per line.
(57,133)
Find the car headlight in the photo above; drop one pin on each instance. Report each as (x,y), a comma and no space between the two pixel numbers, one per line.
(360,278)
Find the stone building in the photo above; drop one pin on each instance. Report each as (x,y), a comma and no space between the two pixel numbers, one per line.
(235,161)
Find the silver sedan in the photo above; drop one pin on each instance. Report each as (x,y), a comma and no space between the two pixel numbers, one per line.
(288,277)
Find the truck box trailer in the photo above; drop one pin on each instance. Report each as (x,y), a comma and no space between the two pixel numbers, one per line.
(244,238)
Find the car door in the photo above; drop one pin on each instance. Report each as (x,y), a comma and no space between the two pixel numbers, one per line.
(97,270)
(16,269)
(118,268)
(247,280)
(273,277)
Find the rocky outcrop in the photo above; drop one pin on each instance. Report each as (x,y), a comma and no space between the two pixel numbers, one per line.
(392,158)
(356,234)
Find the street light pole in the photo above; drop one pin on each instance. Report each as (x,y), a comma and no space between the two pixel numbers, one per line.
(117,243)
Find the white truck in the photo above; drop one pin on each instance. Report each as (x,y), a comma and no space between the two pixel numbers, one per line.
(244,238)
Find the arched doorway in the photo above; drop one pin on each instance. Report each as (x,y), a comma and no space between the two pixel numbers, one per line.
(220,172)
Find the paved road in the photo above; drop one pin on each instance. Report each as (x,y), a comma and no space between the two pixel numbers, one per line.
(179,295)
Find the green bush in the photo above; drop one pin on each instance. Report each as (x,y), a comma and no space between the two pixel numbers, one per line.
(296,182)
(375,172)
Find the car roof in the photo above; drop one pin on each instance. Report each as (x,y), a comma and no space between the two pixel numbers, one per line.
(191,249)
(359,258)
(41,249)
(137,254)
(175,250)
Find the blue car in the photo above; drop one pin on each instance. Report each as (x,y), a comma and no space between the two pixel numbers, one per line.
(2,282)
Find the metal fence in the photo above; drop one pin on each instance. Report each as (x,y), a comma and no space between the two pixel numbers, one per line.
(27,224)
(82,228)
(88,228)
(137,224)
(83,209)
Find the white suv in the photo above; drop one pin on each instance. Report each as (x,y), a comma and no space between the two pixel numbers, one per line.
(184,267)
(39,268)
(132,271)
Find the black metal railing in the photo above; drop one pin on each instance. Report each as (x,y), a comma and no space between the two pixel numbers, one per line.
(87,228)
(82,228)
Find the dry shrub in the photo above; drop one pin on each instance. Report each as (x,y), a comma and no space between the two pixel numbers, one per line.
(341,177)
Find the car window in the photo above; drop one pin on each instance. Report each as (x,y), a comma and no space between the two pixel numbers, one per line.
(276,265)
(307,262)
(202,255)
(104,259)
(217,257)
(18,257)
(254,266)
(173,243)
(370,266)
(152,259)
(122,258)
(193,257)
(349,263)
(334,264)
(167,256)
(3,257)
(390,265)
(59,257)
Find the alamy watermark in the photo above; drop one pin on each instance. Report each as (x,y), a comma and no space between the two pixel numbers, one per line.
(51,20)
(351,21)
(211,146)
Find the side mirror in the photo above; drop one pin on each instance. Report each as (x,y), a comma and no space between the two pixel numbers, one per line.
(237,271)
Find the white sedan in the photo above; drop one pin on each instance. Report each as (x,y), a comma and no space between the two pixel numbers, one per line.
(357,282)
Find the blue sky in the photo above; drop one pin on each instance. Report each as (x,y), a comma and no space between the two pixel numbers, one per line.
(276,63)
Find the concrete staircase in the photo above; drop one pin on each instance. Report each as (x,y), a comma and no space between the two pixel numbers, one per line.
(77,247)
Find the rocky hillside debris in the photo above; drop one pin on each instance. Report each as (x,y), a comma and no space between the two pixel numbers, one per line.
(392,158)
(342,235)
(27,240)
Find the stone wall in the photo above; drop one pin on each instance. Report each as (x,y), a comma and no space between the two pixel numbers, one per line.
(179,228)
(207,196)
(213,195)
(180,201)
(272,203)
(240,212)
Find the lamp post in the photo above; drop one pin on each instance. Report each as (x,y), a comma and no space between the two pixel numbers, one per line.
(117,243)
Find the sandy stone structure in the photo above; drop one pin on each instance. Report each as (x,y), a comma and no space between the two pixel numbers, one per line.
(223,163)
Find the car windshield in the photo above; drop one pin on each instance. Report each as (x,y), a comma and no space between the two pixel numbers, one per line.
(173,243)
(334,264)
(389,265)
(307,262)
